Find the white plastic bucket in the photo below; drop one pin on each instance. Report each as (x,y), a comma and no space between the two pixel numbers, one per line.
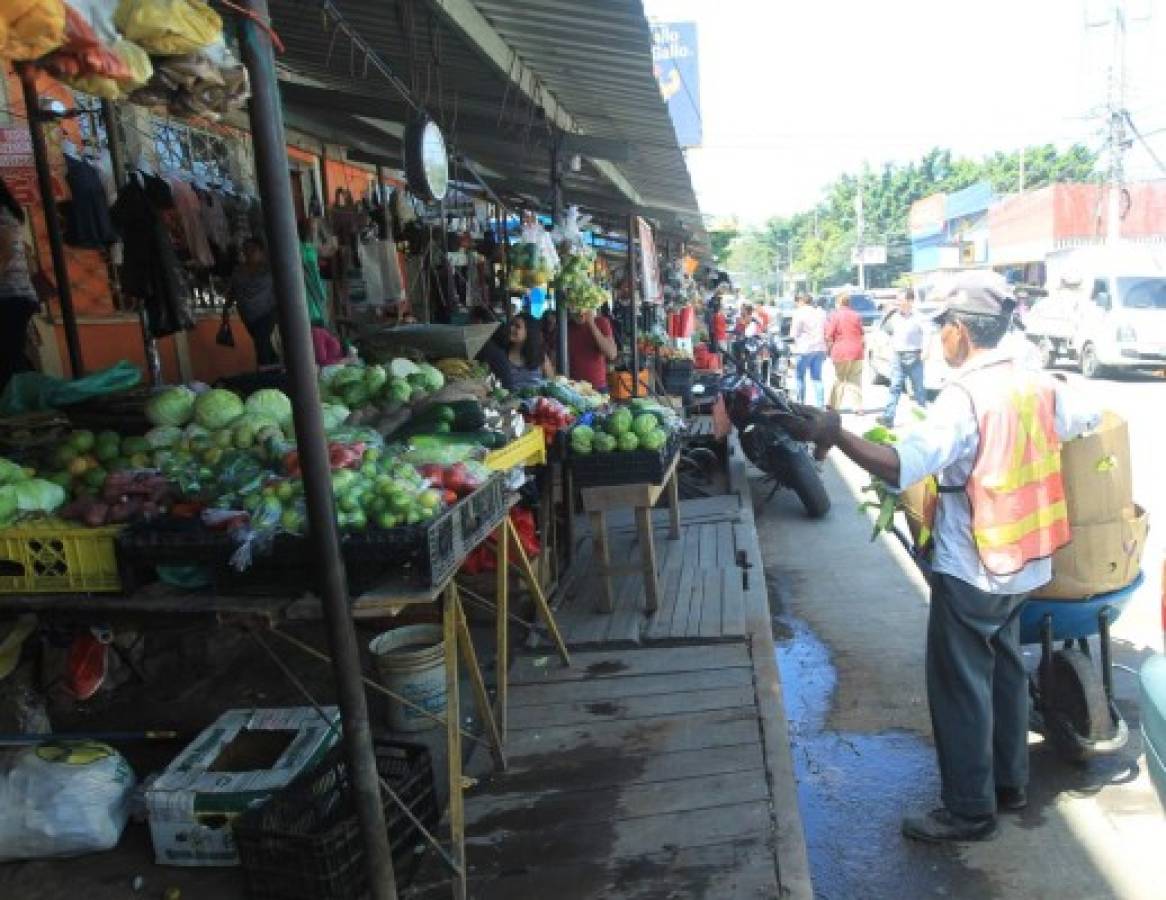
(411,664)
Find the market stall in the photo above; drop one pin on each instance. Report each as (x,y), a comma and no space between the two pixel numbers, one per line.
(358,490)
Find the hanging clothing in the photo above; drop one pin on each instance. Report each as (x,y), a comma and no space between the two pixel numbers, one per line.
(214,220)
(87,221)
(189,208)
(314,291)
(151,273)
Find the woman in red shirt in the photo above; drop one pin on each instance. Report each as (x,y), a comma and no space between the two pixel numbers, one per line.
(845,341)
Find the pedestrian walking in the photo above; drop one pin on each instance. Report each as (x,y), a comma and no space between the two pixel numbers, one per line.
(808,331)
(847,345)
(908,336)
(993,440)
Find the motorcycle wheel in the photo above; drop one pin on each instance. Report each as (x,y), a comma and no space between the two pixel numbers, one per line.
(805,481)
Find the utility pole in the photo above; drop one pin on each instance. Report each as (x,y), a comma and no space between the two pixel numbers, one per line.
(1115,103)
(859,228)
(1117,118)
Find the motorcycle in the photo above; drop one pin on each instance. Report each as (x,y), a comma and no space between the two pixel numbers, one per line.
(755,408)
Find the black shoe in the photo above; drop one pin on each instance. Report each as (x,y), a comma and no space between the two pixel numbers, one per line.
(1011,799)
(941,826)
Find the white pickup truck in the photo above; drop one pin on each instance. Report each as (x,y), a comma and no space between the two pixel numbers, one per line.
(1106,309)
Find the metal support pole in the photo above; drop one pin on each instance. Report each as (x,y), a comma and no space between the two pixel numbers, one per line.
(561,320)
(635,339)
(267,133)
(44,180)
(117,160)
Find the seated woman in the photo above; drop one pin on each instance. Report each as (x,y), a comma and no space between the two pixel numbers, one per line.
(524,353)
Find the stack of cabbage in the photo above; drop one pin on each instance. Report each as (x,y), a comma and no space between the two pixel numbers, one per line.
(640,425)
(575,283)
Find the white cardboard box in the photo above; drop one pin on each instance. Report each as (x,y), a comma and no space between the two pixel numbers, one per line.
(192,804)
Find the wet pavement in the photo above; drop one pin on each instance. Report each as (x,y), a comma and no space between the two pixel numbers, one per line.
(847,777)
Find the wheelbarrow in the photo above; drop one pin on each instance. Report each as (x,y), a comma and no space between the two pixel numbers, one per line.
(1072,694)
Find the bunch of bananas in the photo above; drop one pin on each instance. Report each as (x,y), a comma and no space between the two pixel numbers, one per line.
(455,369)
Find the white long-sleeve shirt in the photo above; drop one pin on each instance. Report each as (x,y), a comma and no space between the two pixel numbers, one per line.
(945,445)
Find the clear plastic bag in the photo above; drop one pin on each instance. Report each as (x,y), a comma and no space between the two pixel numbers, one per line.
(62,799)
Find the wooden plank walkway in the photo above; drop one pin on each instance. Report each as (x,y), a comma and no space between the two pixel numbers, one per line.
(634,773)
(702,587)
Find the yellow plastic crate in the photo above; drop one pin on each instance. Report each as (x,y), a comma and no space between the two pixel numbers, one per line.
(52,556)
(528,450)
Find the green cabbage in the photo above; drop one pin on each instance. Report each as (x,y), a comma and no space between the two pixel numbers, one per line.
(217,408)
(402,368)
(10,472)
(172,406)
(163,436)
(35,495)
(272,403)
(432,379)
(335,414)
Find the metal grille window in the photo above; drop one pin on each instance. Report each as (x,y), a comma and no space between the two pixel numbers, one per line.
(182,148)
(92,124)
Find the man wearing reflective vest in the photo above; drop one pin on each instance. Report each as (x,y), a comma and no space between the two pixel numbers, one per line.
(992,439)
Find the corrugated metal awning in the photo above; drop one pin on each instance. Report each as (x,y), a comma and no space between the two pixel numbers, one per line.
(504,81)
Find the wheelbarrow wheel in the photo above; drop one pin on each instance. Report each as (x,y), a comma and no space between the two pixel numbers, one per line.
(1077,704)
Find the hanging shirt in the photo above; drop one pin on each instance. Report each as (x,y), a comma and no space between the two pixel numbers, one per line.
(87,222)
(189,208)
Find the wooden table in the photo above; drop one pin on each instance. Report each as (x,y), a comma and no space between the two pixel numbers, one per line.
(599,501)
(386,600)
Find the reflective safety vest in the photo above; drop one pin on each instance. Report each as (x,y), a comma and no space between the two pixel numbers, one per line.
(1015,490)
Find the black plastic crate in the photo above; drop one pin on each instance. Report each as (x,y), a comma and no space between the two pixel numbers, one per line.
(423,554)
(635,467)
(304,843)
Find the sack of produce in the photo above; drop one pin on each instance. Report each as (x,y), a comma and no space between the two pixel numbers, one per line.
(62,799)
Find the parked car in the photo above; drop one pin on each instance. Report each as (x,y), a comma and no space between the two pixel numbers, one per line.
(1152,691)
(1106,309)
(862,302)
(936,371)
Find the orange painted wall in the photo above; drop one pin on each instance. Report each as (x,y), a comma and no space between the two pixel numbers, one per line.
(105,343)
(209,361)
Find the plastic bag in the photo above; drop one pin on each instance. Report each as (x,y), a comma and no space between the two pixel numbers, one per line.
(33,391)
(168,27)
(84,53)
(62,799)
(31,28)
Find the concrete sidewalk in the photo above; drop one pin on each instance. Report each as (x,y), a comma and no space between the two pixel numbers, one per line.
(854,617)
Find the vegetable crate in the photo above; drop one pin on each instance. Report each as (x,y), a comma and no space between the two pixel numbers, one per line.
(634,467)
(305,844)
(53,557)
(528,450)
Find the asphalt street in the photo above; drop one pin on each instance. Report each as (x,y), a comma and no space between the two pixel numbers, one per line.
(850,615)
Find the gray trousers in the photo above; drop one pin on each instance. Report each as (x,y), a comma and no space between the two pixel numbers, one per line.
(978,694)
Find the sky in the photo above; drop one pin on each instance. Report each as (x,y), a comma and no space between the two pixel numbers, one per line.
(796,92)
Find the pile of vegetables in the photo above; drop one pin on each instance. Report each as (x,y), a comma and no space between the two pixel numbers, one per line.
(22,494)
(575,283)
(124,497)
(640,425)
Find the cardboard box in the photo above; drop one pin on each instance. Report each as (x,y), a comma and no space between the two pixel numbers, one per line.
(1098,475)
(240,760)
(1100,558)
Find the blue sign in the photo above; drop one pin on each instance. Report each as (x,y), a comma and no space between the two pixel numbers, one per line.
(674,58)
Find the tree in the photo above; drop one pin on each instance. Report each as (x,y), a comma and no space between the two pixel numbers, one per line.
(822,238)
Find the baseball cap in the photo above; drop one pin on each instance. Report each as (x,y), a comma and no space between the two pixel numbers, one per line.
(976,293)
